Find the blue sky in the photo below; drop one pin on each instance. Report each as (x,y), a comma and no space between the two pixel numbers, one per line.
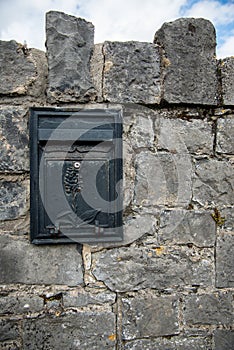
(116,19)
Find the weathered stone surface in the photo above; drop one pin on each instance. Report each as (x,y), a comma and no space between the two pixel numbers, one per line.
(228,215)
(141,131)
(13,199)
(23,71)
(166,181)
(17,69)
(152,316)
(22,262)
(83,330)
(69,42)
(225,135)
(175,343)
(129,173)
(135,227)
(96,67)
(10,345)
(131,72)
(213,183)
(223,339)
(81,298)
(189,64)
(209,309)
(134,268)
(225,260)
(227,75)
(20,304)
(38,88)
(183,227)
(13,139)
(9,330)
(182,136)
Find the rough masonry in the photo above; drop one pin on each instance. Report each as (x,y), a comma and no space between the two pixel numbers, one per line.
(169,284)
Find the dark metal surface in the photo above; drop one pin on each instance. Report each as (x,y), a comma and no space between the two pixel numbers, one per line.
(75,158)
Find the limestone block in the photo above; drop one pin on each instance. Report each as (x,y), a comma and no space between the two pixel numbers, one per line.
(13,199)
(20,304)
(134,268)
(23,71)
(223,339)
(225,260)
(82,330)
(188,60)
(17,70)
(209,309)
(10,345)
(167,181)
(225,135)
(9,330)
(153,316)
(131,72)
(227,76)
(182,136)
(175,343)
(96,67)
(81,298)
(213,183)
(228,215)
(69,42)
(14,153)
(184,227)
(22,262)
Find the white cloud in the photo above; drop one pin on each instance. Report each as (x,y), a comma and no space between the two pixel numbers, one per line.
(129,20)
(227,49)
(113,19)
(215,11)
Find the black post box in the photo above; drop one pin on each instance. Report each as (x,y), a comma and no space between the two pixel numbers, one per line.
(75,175)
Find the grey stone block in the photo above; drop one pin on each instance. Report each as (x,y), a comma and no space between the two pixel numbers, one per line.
(20,304)
(134,268)
(223,339)
(96,67)
(83,330)
(131,72)
(9,330)
(167,181)
(22,262)
(188,61)
(141,131)
(81,298)
(23,72)
(69,42)
(175,343)
(135,227)
(213,183)
(13,199)
(17,69)
(13,139)
(225,135)
(209,309)
(227,76)
(149,317)
(225,260)
(183,227)
(10,345)
(228,215)
(182,136)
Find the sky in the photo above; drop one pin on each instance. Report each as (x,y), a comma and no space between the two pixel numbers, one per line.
(116,20)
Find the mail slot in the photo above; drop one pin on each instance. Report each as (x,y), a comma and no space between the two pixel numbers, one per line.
(75,175)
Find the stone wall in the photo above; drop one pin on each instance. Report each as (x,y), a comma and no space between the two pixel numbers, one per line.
(169,284)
